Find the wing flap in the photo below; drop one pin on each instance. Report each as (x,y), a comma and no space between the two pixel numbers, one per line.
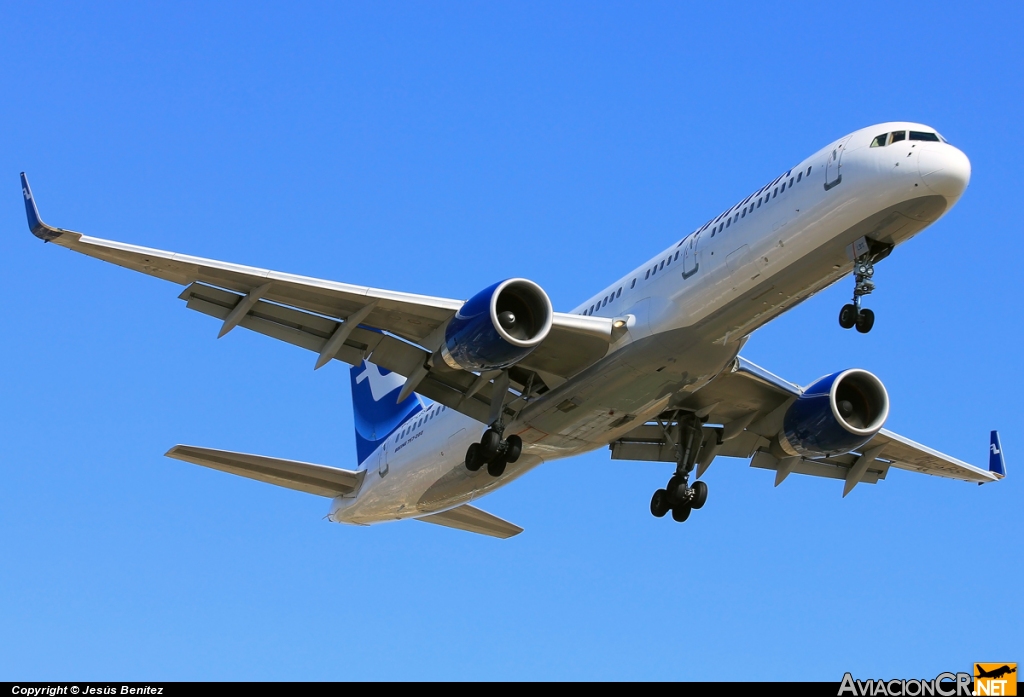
(312,332)
(472,519)
(301,476)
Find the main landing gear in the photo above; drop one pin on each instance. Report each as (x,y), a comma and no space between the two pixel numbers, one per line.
(678,496)
(494,451)
(852,315)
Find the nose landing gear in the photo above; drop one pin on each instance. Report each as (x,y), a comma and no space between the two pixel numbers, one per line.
(868,252)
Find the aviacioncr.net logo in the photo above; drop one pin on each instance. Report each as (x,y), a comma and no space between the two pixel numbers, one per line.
(943,685)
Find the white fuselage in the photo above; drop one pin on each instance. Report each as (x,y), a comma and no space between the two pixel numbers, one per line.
(687,312)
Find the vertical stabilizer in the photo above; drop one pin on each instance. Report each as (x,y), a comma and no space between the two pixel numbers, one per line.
(377,415)
(996,461)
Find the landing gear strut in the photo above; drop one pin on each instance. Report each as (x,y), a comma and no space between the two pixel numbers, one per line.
(678,496)
(868,252)
(493,450)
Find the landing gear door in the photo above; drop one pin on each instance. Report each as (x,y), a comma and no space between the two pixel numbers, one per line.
(834,164)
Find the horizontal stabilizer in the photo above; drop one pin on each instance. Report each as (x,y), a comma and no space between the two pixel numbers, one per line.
(471,519)
(301,476)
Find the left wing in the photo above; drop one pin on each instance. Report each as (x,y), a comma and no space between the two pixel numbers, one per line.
(337,320)
(750,403)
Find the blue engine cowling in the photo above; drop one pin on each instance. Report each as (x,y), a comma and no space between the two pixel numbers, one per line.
(498,327)
(836,414)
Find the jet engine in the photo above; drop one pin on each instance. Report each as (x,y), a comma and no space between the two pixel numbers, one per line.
(836,414)
(498,327)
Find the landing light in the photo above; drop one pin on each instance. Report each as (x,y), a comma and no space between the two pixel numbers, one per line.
(619,323)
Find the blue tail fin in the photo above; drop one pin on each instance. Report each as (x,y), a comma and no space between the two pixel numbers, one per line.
(996,461)
(377,416)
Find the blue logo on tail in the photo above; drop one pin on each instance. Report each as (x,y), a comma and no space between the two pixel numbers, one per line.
(996,461)
(377,415)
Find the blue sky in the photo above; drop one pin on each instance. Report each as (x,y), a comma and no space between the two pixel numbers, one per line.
(437,148)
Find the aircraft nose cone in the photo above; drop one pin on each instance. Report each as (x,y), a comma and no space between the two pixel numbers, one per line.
(945,170)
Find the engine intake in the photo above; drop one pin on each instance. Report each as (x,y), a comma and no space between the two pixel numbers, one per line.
(498,327)
(836,414)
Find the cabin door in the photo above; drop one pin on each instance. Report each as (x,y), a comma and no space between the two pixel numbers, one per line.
(833,167)
(691,254)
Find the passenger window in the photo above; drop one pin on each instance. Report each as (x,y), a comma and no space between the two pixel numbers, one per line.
(921,135)
(648,275)
(799,177)
(618,293)
(633,284)
(591,309)
(808,171)
(744,215)
(728,222)
(897,136)
(879,141)
(790,183)
(677,256)
(662,265)
(668,261)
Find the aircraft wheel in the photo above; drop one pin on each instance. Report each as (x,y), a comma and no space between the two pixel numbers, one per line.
(848,316)
(489,444)
(514,449)
(496,467)
(659,503)
(473,459)
(681,513)
(675,488)
(700,494)
(865,320)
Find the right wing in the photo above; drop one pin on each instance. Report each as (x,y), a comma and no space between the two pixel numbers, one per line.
(331,318)
(472,519)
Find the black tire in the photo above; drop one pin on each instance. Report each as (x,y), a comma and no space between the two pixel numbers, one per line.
(489,444)
(514,449)
(865,320)
(659,503)
(673,488)
(496,467)
(473,459)
(681,513)
(700,494)
(848,316)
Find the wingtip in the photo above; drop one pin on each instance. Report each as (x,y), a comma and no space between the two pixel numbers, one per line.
(35,223)
(996,458)
(173,452)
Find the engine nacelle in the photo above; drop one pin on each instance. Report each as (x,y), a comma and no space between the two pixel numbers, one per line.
(498,327)
(836,414)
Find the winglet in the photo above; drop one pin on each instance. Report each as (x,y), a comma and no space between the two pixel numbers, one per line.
(996,461)
(35,223)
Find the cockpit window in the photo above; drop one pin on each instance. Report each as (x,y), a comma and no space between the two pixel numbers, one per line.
(921,135)
(879,141)
(898,136)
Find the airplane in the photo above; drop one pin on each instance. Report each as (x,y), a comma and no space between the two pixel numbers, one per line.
(996,673)
(453,399)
